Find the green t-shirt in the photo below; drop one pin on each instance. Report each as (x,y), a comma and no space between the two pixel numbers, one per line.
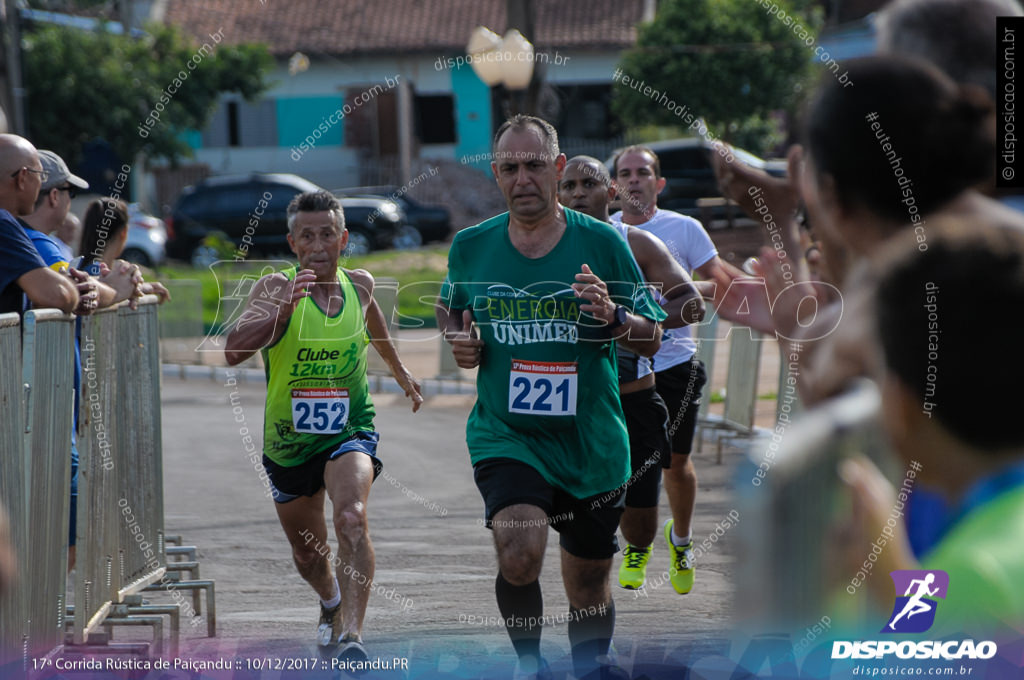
(984,556)
(547,391)
(317,394)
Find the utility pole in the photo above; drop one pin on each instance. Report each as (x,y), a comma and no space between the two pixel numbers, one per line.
(522,15)
(12,94)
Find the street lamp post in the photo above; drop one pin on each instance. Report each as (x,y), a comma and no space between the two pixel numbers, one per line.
(506,61)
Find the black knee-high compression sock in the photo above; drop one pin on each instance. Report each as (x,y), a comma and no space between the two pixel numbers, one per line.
(590,635)
(521,606)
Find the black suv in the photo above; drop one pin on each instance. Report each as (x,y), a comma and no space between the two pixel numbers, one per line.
(431,222)
(230,205)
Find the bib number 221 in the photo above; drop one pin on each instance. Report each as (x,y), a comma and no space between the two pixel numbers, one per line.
(542,388)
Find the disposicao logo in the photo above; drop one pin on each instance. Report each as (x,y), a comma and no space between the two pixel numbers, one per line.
(914,612)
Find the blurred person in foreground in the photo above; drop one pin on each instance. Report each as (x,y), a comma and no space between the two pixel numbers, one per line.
(874,166)
(952,35)
(925,309)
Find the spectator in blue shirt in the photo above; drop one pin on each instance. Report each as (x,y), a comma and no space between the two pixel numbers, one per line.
(23,273)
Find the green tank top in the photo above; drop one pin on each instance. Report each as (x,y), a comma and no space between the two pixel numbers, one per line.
(317,393)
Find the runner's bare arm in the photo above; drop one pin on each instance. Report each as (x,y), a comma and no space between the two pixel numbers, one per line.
(638,334)
(380,337)
(266,313)
(683,304)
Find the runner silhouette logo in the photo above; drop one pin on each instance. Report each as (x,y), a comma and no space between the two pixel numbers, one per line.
(914,610)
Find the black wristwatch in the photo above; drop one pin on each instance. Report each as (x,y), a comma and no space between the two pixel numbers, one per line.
(620,317)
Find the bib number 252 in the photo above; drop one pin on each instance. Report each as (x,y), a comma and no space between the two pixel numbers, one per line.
(542,388)
(319,410)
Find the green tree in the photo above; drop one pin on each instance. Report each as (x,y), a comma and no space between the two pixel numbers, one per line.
(728,62)
(82,85)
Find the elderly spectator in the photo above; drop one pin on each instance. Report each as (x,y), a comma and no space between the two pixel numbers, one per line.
(23,273)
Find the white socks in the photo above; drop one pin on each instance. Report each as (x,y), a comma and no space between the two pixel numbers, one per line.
(679,541)
(336,600)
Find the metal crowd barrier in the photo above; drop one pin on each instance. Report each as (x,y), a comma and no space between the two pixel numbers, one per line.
(740,403)
(142,479)
(120,506)
(789,575)
(120,528)
(182,315)
(385,292)
(13,603)
(706,342)
(37,458)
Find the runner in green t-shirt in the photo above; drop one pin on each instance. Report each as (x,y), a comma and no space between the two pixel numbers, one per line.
(311,324)
(550,291)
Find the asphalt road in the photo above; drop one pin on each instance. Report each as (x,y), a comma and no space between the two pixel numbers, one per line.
(435,561)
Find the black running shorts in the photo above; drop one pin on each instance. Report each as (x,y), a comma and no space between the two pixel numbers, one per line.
(647,422)
(307,478)
(586,526)
(680,387)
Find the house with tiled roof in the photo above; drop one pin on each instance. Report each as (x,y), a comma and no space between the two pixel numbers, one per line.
(348,72)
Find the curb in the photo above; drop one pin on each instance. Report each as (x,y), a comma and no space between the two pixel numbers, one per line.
(379,384)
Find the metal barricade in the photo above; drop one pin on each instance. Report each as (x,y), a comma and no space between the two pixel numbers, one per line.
(181,321)
(120,528)
(741,382)
(740,403)
(705,336)
(385,292)
(13,603)
(97,575)
(121,513)
(182,315)
(449,368)
(789,574)
(48,368)
(141,483)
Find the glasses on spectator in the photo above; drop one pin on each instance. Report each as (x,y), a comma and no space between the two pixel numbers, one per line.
(72,192)
(42,173)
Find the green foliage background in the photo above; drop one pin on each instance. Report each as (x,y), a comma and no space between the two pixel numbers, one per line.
(729,61)
(82,85)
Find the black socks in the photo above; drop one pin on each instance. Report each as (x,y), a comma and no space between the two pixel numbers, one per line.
(519,606)
(590,635)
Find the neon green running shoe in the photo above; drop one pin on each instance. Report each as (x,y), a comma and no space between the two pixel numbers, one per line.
(681,571)
(633,571)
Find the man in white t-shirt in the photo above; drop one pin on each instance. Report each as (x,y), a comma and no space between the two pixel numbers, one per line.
(679,377)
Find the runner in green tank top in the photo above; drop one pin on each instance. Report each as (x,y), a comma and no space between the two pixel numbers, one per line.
(550,292)
(317,394)
(312,324)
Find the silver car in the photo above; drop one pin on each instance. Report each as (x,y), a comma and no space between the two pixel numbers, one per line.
(147,238)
